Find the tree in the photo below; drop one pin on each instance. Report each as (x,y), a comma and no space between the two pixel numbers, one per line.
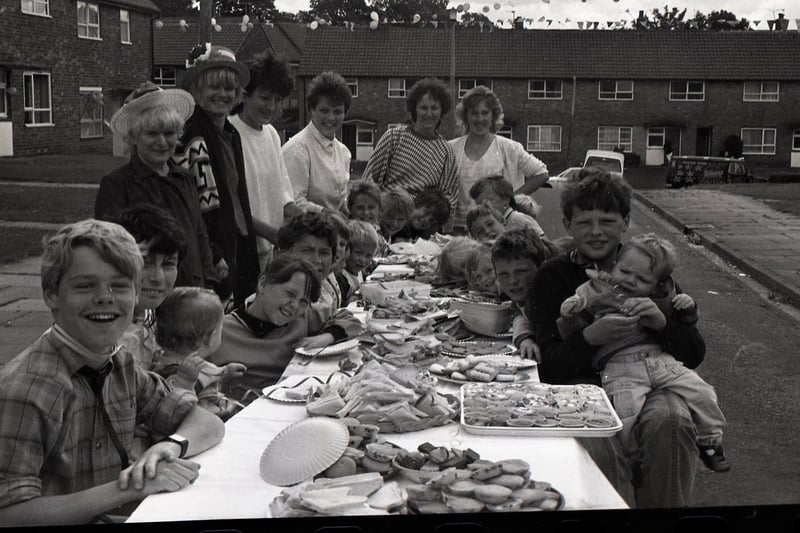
(404,10)
(338,11)
(720,21)
(260,9)
(174,8)
(669,19)
(470,19)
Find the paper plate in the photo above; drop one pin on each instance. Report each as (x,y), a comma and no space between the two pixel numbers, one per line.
(520,377)
(297,393)
(480,331)
(334,349)
(479,345)
(303,450)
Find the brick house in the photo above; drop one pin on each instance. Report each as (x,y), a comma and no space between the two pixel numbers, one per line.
(567,91)
(171,46)
(65,68)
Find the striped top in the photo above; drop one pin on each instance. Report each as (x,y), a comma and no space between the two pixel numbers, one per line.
(404,158)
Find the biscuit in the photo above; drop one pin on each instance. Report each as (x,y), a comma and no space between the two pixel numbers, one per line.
(482,473)
(459,504)
(423,493)
(510,481)
(371,465)
(492,493)
(512,504)
(462,487)
(514,466)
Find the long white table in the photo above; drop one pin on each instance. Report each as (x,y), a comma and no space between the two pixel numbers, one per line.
(230,485)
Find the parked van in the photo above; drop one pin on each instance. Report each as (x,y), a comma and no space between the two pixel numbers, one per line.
(611,161)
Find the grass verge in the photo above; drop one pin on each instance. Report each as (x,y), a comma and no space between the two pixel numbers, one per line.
(45,204)
(18,243)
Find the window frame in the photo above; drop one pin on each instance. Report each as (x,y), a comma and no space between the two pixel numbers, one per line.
(160,78)
(796,140)
(32,75)
(531,144)
(4,93)
(33,4)
(475,83)
(545,93)
(684,94)
(364,128)
(398,92)
(95,121)
(126,23)
(605,146)
(656,132)
(761,96)
(87,25)
(618,94)
(352,82)
(763,144)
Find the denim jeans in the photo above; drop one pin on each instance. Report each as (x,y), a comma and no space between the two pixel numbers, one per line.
(628,378)
(664,474)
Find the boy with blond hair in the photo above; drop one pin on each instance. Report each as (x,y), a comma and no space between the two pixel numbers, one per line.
(62,459)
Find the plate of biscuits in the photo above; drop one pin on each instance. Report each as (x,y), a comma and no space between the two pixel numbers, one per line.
(485,369)
(473,347)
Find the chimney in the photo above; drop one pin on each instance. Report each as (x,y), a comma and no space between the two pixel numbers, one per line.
(781,23)
(641,21)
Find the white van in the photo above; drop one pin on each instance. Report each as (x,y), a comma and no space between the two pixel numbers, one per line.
(611,161)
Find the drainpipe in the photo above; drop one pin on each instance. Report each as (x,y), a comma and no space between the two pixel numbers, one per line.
(571,119)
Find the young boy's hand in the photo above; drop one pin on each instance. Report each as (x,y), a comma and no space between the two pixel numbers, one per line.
(316,341)
(528,349)
(235,370)
(188,371)
(650,316)
(158,470)
(682,302)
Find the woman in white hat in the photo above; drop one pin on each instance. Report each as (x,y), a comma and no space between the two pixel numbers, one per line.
(150,122)
(211,149)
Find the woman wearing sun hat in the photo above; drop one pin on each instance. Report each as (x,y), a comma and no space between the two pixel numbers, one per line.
(211,150)
(150,122)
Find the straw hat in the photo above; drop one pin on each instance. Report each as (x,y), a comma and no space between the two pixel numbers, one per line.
(148,95)
(206,57)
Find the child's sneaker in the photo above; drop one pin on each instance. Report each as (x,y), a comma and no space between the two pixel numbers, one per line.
(714,458)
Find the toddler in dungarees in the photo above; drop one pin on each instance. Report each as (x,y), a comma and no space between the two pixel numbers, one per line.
(640,285)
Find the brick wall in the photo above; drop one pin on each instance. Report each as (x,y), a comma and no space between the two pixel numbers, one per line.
(51,44)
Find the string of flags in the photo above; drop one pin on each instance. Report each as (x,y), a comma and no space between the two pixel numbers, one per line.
(486,10)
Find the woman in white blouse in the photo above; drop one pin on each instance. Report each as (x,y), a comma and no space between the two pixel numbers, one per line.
(317,162)
(481,153)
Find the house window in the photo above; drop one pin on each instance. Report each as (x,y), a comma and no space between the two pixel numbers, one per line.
(36,7)
(505,131)
(364,135)
(687,90)
(393,125)
(468,84)
(545,90)
(36,101)
(124,26)
(761,91)
(544,139)
(611,137)
(352,84)
(88,20)
(3,93)
(759,141)
(796,140)
(165,76)
(397,88)
(91,112)
(615,90)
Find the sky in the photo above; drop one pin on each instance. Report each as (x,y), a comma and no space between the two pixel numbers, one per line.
(610,10)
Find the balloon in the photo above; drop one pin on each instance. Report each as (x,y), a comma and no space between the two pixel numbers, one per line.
(314,25)
(245,18)
(159,24)
(243,27)
(434,16)
(416,18)
(374,16)
(373,25)
(217,28)
(181,22)
(249,25)
(322,21)
(213,21)
(460,8)
(496,6)
(466,6)
(486,9)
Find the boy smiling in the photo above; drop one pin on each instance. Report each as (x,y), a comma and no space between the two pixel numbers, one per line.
(62,459)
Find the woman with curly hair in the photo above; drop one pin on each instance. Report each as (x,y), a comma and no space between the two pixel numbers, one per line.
(416,156)
(268,185)
(482,153)
(318,163)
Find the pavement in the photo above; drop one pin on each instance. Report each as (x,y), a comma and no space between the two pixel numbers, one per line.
(760,241)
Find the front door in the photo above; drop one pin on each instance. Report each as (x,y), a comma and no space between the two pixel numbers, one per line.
(349,137)
(654,156)
(703,146)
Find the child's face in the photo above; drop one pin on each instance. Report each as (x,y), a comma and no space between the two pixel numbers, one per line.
(486,228)
(316,251)
(392,222)
(342,247)
(365,208)
(213,343)
(596,233)
(158,277)
(359,259)
(632,273)
(515,276)
(281,303)
(483,277)
(490,197)
(422,219)
(94,301)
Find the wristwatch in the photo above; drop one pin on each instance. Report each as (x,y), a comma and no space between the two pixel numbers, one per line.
(181,441)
